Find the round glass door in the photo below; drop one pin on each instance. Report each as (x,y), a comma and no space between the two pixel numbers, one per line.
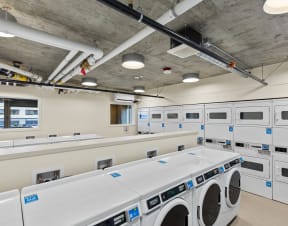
(176,216)
(211,204)
(233,187)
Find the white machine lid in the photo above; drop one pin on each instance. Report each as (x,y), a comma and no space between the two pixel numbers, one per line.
(86,200)
(213,155)
(10,209)
(152,176)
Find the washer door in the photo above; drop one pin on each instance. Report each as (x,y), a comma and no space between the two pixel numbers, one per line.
(209,203)
(233,187)
(174,213)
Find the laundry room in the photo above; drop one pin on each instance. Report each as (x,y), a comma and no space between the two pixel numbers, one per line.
(143,113)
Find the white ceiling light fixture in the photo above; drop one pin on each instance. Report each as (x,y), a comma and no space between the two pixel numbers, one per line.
(89,81)
(6,35)
(191,78)
(139,89)
(276,6)
(133,61)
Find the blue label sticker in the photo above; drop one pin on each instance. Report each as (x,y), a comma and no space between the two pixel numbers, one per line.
(231,129)
(133,214)
(148,124)
(228,142)
(162,161)
(115,175)
(31,198)
(163,125)
(268,184)
(221,169)
(265,147)
(241,159)
(202,127)
(180,126)
(269,131)
(190,184)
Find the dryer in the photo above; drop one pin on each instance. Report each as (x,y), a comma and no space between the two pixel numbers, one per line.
(228,179)
(166,197)
(219,126)
(156,120)
(143,120)
(82,201)
(10,209)
(193,120)
(280,155)
(253,140)
(172,118)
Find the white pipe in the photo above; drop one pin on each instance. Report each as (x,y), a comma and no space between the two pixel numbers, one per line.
(71,67)
(77,70)
(167,17)
(34,35)
(19,71)
(64,62)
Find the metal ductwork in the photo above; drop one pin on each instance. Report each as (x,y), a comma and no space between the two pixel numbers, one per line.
(204,53)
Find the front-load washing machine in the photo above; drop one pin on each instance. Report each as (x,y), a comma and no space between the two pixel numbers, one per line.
(166,195)
(229,180)
(10,209)
(86,201)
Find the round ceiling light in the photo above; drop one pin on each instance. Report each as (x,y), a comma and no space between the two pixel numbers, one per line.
(190,78)
(133,61)
(276,6)
(139,89)
(89,81)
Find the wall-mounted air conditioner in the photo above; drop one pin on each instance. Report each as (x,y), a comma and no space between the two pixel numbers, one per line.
(126,98)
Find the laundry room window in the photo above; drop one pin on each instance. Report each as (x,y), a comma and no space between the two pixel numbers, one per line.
(192,115)
(251,115)
(120,114)
(16,113)
(218,115)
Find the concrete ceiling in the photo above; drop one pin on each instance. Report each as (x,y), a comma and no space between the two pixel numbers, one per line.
(239,27)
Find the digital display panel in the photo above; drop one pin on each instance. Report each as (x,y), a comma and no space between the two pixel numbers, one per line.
(200,179)
(172,192)
(117,220)
(211,173)
(155,201)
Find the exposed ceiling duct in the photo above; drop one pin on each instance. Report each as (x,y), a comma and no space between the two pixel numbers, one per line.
(204,53)
(32,76)
(74,48)
(53,86)
(167,17)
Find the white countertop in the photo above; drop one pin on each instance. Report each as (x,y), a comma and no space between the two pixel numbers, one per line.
(44,149)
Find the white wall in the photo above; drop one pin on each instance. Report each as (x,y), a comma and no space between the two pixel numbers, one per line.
(66,113)
(228,87)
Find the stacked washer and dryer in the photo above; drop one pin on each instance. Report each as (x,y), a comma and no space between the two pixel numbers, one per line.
(143,120)
(219,126)
(253,140)
(280,155)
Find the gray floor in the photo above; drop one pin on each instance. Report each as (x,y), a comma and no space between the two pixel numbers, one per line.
(258,211)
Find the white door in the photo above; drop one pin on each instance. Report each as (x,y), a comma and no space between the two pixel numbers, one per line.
(256,167)
(218,115)
(193,116)
(259,116)
(281,115)
(281,171)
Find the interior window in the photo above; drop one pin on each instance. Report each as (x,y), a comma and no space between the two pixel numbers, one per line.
(120,114)
(251,115)
(253,166)
(156,116)
(18,113)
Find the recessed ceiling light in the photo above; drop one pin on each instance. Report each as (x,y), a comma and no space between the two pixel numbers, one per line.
(89,81)
(133,61)
(276,6)
(190,78)
(139,89)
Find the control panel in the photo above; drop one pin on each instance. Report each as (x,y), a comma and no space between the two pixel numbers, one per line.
(173,192)
(153,202)
(211,173)
(116,220)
